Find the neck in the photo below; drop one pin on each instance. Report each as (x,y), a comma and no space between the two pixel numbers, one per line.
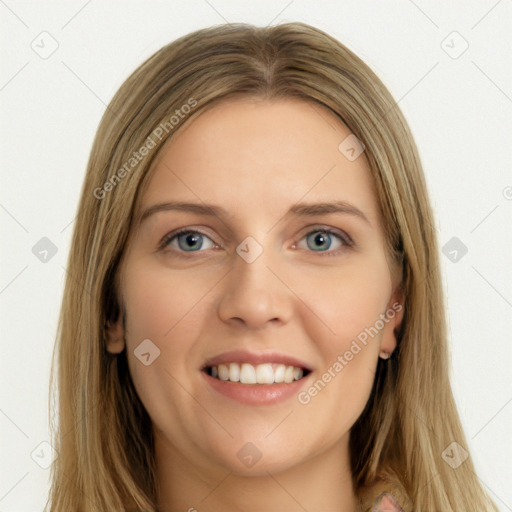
(323,482)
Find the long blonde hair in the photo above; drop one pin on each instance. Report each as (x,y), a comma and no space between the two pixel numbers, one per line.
(103,437)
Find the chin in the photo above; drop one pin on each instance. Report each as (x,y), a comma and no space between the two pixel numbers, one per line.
(256,458)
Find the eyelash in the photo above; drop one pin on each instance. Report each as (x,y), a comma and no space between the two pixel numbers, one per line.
(343,237)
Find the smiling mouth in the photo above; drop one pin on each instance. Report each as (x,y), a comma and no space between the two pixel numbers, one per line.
(266,373)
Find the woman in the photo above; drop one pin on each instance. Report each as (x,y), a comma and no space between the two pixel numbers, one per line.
(253,316)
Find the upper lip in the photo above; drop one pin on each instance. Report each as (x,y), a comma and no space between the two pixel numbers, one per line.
(255,358)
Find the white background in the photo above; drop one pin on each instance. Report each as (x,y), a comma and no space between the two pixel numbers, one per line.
(459,110)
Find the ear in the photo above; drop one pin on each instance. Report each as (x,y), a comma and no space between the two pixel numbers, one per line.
(394,316)
(115,336)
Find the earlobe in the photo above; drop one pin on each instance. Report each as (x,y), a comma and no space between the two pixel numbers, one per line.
(115,337)
(394,315)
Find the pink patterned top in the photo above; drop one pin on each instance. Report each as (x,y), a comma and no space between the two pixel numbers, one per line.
(385,495)
(386,502)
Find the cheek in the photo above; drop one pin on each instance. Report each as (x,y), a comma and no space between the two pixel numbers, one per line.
(347,330)
(347,301)
(160,303)
(166,309)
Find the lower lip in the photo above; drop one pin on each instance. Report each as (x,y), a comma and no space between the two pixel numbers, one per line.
(255,394)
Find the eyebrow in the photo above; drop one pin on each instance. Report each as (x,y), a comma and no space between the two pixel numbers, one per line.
(299,209)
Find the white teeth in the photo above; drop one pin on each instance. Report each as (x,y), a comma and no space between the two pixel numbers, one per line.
(267,373)
(247,374)
(264,374)
(288,374)
(297,373)
(223,372)
(279,373)
(234,372)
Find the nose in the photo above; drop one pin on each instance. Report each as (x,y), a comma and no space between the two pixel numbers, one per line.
(256,294)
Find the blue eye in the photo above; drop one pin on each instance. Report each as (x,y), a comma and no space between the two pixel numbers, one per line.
(321,240)
(187,240)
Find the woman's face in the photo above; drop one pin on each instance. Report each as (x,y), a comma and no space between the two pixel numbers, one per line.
(257,281)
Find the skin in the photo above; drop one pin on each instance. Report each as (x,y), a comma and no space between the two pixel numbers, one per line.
(256,158)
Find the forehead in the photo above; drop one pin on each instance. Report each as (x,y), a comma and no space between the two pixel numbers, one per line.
(250,155)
